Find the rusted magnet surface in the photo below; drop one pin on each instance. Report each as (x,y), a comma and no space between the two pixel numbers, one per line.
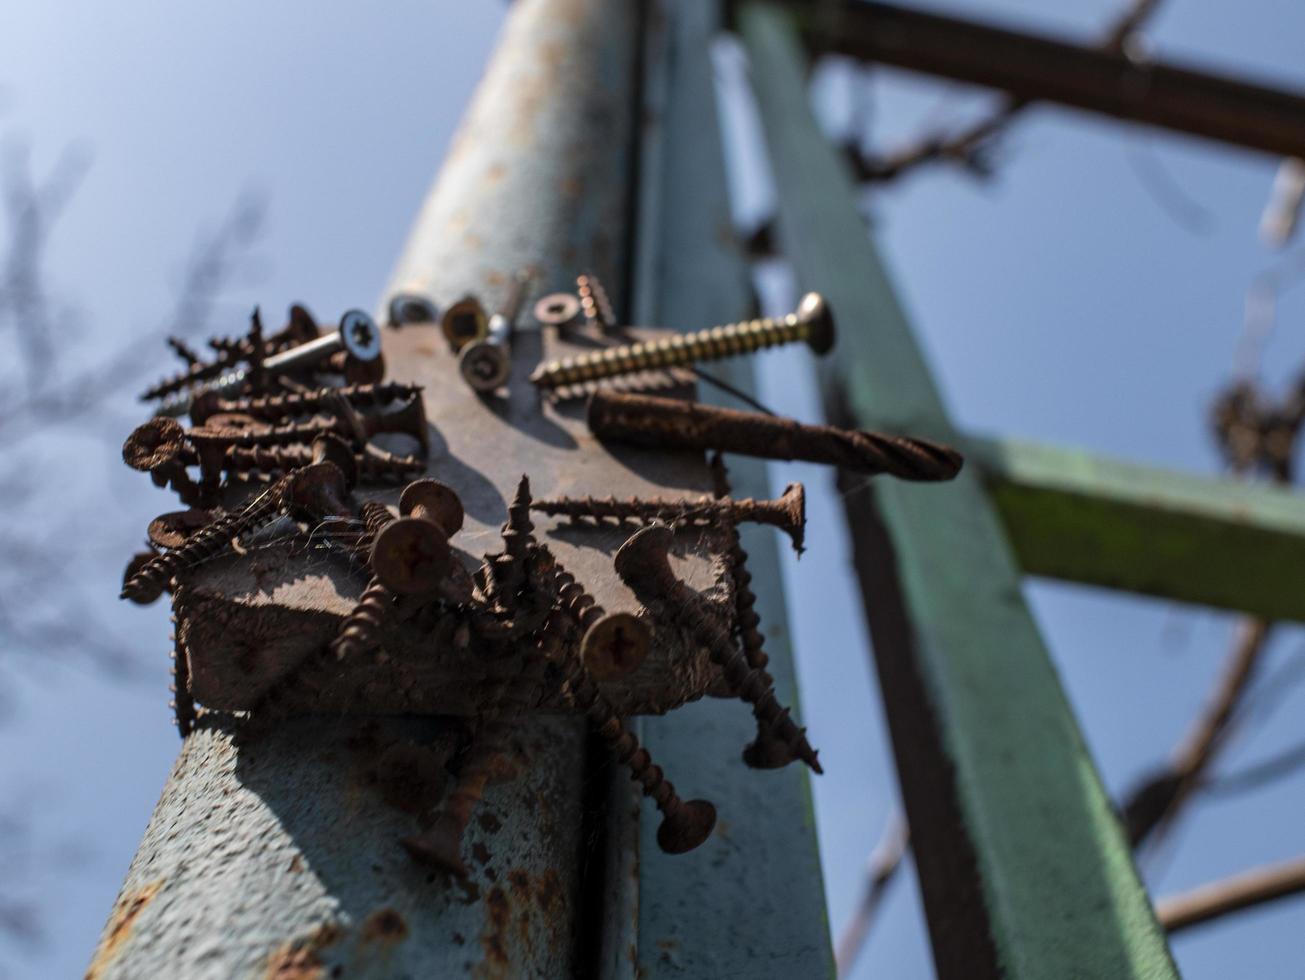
(246,619)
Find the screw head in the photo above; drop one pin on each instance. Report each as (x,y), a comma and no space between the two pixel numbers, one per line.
(615,645)
(316,488)
(360,336)
(643,562)
(439,502)
(464,322)
(411,557)
(815,313)
(302,327)
(686,828)
(795,500)
(406,308)
(557,309)
(172,529)
(484,366)
(330,448)
(153,444)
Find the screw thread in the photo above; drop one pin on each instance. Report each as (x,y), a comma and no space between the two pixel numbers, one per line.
(183,704)
(291,404)
(152,578)
(578,605)
(729,340)
(753,685)
(779,513)
(361,631)
(594,302)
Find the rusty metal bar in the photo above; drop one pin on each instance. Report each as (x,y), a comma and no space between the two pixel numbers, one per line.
(277,856)
(1036,68)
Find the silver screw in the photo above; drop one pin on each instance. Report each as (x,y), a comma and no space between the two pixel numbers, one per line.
(357,334)
(485,364)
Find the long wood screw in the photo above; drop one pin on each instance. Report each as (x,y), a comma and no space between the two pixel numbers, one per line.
(288,405)
(685,825)
(671,423)
(594,302)
(768,750)
(643,563)
(811,322)
(788,513)
(149,581)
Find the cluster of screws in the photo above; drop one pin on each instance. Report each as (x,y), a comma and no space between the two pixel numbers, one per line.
(250,364)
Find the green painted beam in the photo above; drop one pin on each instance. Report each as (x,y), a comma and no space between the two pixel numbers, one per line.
(754,908)
(1083,518)
(1024,869)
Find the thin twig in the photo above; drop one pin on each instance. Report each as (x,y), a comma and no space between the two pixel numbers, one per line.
(972,146)
(1234,894)
(885,861)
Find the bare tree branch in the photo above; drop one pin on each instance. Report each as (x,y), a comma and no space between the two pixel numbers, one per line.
(973,146)
(885,861)
(1235,894)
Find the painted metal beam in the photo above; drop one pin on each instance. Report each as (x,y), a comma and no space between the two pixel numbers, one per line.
(764,890)
(1037,68)
(278,855)
(1083,518)
(1024,869)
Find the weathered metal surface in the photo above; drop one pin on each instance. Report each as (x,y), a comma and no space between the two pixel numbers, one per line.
(751,904)
(281,860)
(1033,67)
(280,857)
(1083,518)
(1023,866)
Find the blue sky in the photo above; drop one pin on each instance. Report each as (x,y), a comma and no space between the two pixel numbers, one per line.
(1058,301)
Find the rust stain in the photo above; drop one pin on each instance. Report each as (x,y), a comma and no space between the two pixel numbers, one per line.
(520,883)
(125,914)
(298,959)
(496,956)
(549,891)
(480,852)
(384,925)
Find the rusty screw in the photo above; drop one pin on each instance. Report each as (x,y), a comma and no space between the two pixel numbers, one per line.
(321,489)
(158,447)
(671,423)
(684,825)
(486,363)
(149,580)
(412,555)
(788,513)
(811,322)
(643,563)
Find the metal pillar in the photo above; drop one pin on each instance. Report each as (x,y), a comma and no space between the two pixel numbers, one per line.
(764,890)
(275,858)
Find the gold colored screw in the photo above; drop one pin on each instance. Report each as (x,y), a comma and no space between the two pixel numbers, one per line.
(812,322)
